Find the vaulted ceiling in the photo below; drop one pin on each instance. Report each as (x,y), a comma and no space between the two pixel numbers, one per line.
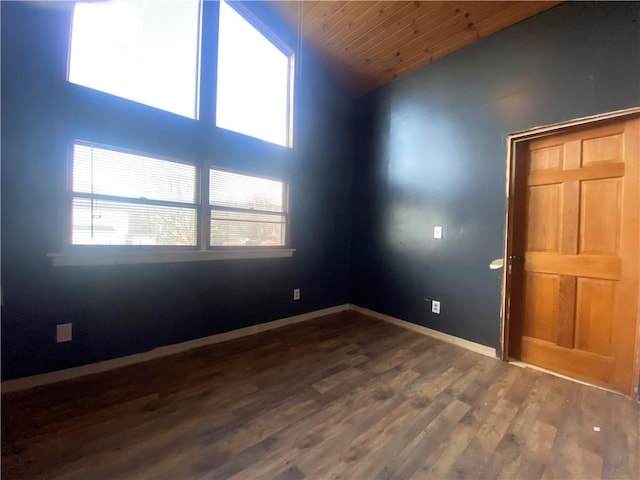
(370,43)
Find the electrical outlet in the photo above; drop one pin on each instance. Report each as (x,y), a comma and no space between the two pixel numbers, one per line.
(296,294)
(435,306)
(437,232)
(64,332)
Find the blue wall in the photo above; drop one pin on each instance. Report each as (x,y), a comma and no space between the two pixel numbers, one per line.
(120,310)
(432,151)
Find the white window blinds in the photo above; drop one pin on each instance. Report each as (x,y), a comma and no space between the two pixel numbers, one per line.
(126,199)
(246,210)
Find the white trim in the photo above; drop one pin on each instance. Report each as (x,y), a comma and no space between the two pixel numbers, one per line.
(553,128)
(445,337)
(89,259)
(92,368)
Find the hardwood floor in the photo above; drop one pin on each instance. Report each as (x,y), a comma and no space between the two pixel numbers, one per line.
(345,396)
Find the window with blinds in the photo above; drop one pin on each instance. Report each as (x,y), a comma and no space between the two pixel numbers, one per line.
(246,210)
(121,198)
(129,199)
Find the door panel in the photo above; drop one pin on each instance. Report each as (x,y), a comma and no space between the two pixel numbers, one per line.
(546,158)
(594,312)
(542,305)
(581,242)
(544,215)
(600,216)
(602,149)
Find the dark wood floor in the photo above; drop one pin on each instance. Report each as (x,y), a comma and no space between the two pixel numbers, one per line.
(344,396)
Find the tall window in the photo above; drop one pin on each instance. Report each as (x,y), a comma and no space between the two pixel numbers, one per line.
(122,198)
(141,50)
(149,51)
(254,80)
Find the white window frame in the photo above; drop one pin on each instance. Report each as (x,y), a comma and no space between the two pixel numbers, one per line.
(93,255)
(284,213)
(138,201)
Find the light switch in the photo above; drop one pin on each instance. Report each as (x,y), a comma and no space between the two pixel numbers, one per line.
(64,332)
(437,232)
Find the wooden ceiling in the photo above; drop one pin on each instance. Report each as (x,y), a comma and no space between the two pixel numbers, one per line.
(370,43)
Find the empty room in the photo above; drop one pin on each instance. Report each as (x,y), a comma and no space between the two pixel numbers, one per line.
(320,239)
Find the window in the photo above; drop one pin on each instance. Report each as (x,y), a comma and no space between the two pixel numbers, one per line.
(145,51)
(128,207)
(150,52)
(247,210)
(254,81)
(121,198)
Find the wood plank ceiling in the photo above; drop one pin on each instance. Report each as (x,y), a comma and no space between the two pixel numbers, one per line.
(370,43)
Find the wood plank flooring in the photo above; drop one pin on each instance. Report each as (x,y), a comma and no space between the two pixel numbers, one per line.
(345,396)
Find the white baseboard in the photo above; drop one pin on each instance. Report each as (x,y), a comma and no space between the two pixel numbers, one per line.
(92,368)
(445,337)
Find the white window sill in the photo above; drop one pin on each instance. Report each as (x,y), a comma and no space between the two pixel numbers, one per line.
(88,259)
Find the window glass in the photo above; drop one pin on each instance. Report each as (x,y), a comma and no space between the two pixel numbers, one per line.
(145,51)
(253,80)
(228,189)
(103,222)
(246,210)
(111,172)
(126,199)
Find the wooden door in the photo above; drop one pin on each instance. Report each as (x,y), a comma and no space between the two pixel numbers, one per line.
(577,308)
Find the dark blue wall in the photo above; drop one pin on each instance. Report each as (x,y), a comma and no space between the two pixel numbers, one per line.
(429,150)
(432,151)
(120,310)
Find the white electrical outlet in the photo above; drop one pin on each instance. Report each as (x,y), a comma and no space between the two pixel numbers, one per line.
(64,332)
(296,294)
(435,306)
(437,232)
